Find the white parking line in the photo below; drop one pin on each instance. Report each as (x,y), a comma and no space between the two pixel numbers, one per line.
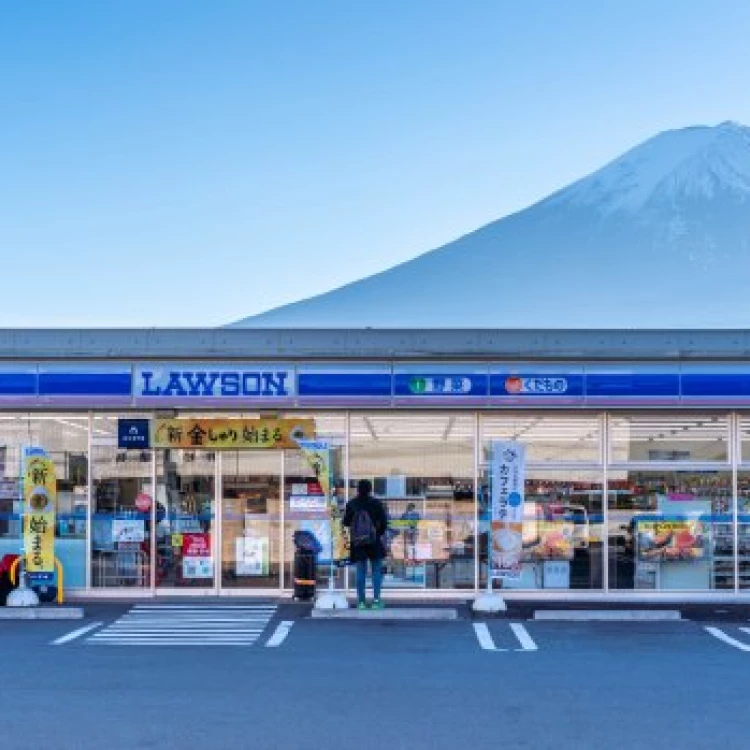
(485,638)
(75,634)
(280,634)
(722,636)
(527,644)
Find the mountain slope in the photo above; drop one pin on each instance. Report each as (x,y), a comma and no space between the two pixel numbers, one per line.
(658,238)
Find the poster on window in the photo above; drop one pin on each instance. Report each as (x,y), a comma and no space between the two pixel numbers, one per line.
(664,541)
(128,531)
(508,473)
(252,556)
(197,560)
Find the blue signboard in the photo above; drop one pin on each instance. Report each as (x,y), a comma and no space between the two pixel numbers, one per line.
(366,384)
(191,382)
(133,433)
(633,384)
(426,384)
(529,384)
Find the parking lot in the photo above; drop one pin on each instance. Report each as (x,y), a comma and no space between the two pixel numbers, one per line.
(266,675)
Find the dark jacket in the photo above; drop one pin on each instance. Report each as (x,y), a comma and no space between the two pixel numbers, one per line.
(379,518)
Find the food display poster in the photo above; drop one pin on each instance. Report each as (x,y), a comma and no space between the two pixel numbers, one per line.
(227,434)
(40,502)
(554,541)
(670,540)
(507,476)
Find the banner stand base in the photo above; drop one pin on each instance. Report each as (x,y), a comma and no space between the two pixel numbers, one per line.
(489,602)
(22,597)
(331,600)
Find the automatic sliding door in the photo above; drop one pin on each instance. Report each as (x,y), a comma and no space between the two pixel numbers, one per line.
(251,522)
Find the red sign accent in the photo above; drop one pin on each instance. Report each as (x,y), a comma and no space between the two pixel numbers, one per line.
(196,545)
(513,385)
(143,502)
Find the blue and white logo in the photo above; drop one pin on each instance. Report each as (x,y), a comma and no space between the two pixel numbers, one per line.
(133,433)
(213,382)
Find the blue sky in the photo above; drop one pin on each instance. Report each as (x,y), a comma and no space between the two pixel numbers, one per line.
(175,163)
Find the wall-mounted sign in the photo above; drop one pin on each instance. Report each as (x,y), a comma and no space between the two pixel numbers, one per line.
(128,530)
(190,382)
(227,434)
(133,433)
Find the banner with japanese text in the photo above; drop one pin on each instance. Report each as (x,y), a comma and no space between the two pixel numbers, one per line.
(508,473)
(40,503)
(228,434)
(318,456)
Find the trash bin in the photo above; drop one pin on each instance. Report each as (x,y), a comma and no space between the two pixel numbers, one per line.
(305,568)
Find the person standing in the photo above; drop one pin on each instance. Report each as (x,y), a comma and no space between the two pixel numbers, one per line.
(367,521)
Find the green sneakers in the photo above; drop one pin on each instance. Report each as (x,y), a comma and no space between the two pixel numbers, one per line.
(377,604)
(362,605)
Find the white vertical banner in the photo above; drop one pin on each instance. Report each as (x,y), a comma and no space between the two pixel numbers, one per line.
(508,469)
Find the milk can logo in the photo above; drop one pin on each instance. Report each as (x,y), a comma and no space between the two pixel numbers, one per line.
(451,385)
(539,386)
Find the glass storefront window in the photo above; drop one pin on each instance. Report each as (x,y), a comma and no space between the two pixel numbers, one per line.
(302,511)
(549,438)
(562,531)
(422,468)
(685,436)
(185,496)
(743,528)
(65,439)
(671,530)
(251,519)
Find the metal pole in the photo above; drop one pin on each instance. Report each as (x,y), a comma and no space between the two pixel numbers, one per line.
(477,446)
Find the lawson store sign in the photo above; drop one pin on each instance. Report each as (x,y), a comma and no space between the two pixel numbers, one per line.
(383,384)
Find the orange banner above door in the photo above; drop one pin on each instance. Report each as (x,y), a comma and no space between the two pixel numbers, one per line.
(228,434)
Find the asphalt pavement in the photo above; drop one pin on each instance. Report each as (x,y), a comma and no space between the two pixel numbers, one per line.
(245,674)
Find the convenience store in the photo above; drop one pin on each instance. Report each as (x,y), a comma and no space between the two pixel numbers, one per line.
(637,443)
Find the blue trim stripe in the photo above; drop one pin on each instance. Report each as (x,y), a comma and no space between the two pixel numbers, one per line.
(344,384)
(715,384)
(85,384)
(18,383)
(632,384)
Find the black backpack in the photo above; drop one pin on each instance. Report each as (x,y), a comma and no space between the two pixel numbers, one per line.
(364,533)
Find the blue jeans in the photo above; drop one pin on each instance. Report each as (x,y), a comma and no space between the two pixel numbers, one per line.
(377,578)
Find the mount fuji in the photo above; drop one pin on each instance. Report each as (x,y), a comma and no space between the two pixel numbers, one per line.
(658,238)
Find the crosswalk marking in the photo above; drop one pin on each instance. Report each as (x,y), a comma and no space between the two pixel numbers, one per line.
(722,636)
(519,631)
(187,625)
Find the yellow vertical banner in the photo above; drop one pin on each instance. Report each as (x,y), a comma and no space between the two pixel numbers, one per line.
(40,503)
(318,455)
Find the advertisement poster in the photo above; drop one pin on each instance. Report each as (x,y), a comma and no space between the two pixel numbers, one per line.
(228,434)
(317,454)
(128,530)
(553,540)
(197,561)
(661,541)
(40,501)
(508,472)
(252,555)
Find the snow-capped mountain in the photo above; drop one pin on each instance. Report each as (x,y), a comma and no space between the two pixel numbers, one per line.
(658,238)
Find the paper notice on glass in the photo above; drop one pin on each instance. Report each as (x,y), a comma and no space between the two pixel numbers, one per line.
(251,554)
(197,567)
(128,530)
(508,473)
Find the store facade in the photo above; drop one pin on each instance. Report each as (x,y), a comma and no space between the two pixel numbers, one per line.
(178,473)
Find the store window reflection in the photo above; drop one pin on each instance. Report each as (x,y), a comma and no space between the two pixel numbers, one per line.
(422,468)
(251,518)
(671,530)
(185,491)
(562,545)
(675,437)
(64,437)
(305,507)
